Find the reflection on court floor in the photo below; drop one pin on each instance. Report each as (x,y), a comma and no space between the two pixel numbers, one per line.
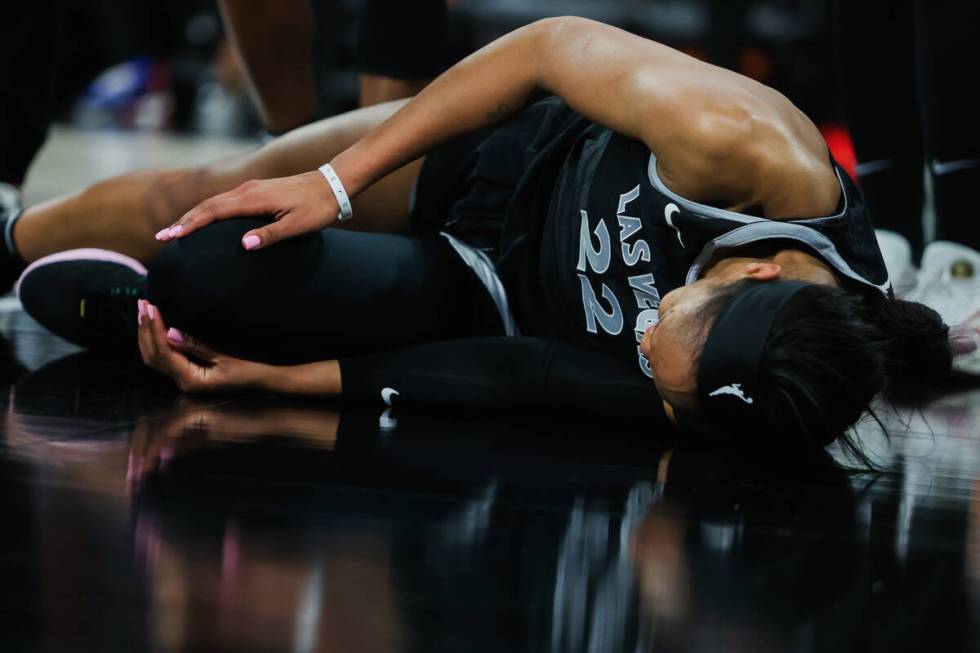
(139,519)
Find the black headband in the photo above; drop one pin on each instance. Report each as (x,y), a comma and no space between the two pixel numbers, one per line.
(728,374)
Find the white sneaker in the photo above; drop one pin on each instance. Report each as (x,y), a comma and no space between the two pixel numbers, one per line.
(897,252)
(950,281)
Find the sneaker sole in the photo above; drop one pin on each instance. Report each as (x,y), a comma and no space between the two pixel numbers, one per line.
(84,254)
(52,288)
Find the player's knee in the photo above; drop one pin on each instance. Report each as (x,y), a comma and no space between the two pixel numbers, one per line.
(208,277)
(169,287)
(196,277)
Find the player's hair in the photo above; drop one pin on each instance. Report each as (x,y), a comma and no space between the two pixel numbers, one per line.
(831,351)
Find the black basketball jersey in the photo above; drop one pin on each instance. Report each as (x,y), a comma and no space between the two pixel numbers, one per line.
(593,239)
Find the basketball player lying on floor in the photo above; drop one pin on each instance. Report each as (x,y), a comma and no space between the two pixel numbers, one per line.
(561,218)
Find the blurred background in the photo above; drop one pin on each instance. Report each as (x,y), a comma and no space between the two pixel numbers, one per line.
(169,65)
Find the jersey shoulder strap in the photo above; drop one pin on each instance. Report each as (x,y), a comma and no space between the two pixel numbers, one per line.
(844,240)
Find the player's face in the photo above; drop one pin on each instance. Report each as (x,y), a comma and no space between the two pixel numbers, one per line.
(673,344)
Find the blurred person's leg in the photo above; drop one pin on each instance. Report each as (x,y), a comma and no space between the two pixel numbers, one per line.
(401,46)
(375,89)
(29,50)
(273,42)
(876,51)
(123,213)
(949,83)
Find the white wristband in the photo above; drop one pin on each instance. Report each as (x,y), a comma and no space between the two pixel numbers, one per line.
(343,201)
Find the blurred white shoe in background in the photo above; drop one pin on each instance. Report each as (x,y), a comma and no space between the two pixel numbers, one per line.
(897,252)
(949,282)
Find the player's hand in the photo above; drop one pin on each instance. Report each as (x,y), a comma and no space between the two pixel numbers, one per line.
(298,204)
(194,367)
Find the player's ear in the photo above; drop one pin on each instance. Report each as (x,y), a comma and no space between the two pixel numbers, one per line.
(762,271)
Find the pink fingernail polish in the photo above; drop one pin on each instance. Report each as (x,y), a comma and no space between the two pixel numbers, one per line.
(140,312)
(174,335)
(175,230)
(150,311)
(163,234)
(251,242)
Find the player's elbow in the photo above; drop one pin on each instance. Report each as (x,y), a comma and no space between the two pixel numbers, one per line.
(565,27)
(563,36)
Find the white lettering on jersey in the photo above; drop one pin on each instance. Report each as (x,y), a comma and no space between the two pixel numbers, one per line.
(639,252)
(644,321)
(628,227)
(644,363)
(611,321)
(598,260)
(646,293)
(626,198)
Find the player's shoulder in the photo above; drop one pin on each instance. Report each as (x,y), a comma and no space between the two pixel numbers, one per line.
(751,149)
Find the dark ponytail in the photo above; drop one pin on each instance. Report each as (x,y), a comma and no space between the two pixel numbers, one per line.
(918,353)
(831,351)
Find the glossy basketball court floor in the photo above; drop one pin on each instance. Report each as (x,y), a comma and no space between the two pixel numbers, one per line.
(139,520)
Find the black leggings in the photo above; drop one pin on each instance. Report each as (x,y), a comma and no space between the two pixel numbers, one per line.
(912,90)
(320,296)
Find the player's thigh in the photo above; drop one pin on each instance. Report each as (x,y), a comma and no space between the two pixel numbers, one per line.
(382,207)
